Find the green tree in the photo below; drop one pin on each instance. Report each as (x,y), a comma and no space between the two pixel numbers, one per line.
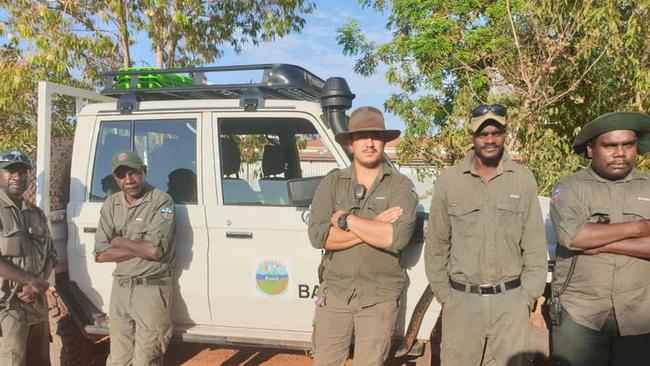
(190,32)
(555,64)
(72,41)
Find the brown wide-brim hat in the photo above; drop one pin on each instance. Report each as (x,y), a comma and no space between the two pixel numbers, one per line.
(634,121)
(365,119)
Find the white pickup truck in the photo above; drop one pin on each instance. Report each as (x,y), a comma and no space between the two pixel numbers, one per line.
(241,161)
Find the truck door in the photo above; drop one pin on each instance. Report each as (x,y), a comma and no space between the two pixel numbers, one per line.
(171,151)
(263,270)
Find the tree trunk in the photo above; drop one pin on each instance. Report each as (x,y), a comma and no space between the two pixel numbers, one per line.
(173,38)
(160,55)
(124,33)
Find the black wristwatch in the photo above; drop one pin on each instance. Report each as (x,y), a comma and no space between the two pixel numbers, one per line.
(342,222)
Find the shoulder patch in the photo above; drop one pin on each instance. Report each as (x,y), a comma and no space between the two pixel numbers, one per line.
(557,194)
(167,213)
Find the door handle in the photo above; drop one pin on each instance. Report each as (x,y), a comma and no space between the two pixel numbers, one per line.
(239,235)
(89,229)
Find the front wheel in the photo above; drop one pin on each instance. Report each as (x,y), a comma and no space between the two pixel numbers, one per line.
(69,345)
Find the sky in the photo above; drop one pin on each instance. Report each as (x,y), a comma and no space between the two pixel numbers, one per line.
(315,49)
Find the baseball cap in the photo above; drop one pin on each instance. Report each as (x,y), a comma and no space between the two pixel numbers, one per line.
(126,158)
(14,156)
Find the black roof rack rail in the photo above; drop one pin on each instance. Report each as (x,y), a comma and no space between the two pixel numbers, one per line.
(279,81)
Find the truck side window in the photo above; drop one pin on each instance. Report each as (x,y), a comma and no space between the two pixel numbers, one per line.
(167,147)
(259,155)
(114,136)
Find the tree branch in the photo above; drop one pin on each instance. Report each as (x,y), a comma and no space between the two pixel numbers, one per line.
(577,81)
(522,65)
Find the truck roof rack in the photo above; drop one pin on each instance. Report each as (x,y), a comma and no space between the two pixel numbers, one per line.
(279,81)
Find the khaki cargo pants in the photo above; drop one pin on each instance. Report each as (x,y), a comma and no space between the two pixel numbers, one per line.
(140,322)
(337,319)
(469,319)
(22,343)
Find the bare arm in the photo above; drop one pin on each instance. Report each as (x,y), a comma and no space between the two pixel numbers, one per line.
(13,273)
(141,248)
(594,235)
(632,247)
(28,294)
(376,233)
(114,254)
(338,239)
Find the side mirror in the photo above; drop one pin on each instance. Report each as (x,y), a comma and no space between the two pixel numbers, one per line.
(302,190)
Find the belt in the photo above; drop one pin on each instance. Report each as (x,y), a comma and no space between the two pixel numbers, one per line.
(140,281)
(485,289)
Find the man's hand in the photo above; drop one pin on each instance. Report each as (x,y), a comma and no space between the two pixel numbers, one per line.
(335,217)
(593,251)
(390,215)
(36,284)
(27,295)
(644,228)
(115,240)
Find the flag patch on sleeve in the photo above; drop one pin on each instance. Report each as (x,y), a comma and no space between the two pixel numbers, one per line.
(556,195)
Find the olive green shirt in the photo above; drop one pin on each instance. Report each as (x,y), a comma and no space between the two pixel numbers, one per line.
(151,218)
(372,274)
(603,282)
(486,232)
(25,242)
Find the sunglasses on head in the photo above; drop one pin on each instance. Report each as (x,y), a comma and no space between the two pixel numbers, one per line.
(483,109)
(15,156)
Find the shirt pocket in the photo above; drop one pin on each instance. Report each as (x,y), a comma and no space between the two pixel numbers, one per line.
(136,231)
(344,205)
(11,243)
(464,219)
(598,215)
(509,216)
(636,209)
(377,206)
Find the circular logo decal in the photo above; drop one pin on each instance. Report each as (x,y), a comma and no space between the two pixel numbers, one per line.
(271,277)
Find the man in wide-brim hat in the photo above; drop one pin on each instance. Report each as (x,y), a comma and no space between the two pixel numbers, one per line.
(600,215)
(363,216)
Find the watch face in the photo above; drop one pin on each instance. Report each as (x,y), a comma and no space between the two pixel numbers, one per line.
(343,222)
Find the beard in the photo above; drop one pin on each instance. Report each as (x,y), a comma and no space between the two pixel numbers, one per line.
(489,159)
(369,163)
(16,188)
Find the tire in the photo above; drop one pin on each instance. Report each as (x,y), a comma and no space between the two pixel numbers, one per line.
(69,345)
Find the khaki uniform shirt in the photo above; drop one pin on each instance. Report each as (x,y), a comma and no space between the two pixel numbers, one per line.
(486,232)
(372,274)
(151,218)
(26,243)
(604,282)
